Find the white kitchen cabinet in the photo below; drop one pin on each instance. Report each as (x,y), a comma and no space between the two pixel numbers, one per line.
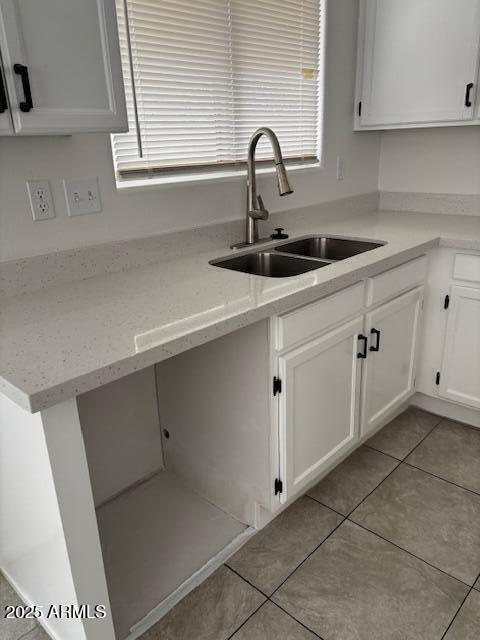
(318,411)
(418,63)
(6,124)
(460,371)
(389,370)
(62,66)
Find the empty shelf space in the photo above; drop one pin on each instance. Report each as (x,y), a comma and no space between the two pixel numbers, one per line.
(154,537)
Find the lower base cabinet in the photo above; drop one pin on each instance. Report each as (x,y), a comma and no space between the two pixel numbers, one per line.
(318,410)
(460,371)
(389,370)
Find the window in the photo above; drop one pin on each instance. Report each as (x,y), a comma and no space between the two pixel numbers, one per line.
(202,75)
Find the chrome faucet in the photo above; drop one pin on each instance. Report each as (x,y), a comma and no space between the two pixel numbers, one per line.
(255,207)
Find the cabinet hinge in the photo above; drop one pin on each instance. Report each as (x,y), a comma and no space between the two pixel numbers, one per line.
(277,385)
(437,378)
(446,302)
(360,109)
(278,486)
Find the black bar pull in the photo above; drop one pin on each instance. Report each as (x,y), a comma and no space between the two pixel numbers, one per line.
(446,302)
(3,95)
(22,71)
(468,90)
(363,354)
(375,332)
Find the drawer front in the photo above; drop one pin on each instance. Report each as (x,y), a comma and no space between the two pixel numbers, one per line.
(467,267)
(305,322)
(390,283)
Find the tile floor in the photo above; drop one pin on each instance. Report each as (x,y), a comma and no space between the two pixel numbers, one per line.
(387,547)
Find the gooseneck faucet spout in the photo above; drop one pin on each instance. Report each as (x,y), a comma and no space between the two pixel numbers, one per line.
(255,208)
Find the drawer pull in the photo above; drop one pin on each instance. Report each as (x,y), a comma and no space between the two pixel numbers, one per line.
(363,354)
(375,332)
(468,100)
(22,71)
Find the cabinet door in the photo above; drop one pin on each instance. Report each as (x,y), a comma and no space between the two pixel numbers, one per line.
(318,405)
(419,57)
(389,372)
(6,125)
(460,374)
(71,53)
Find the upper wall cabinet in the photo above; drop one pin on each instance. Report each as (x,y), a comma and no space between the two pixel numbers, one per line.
(61,67)
(418,63)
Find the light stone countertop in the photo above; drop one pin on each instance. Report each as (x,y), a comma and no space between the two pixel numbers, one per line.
(65,340)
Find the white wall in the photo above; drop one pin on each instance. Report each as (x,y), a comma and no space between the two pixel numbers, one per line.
(443,160)
(158,209)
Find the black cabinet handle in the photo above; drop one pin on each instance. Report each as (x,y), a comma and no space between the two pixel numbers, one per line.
(375,332)
(22,71)
(3,95)
(363,354)
(468,101)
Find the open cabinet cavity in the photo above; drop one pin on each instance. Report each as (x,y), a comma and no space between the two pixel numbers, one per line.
(177,479)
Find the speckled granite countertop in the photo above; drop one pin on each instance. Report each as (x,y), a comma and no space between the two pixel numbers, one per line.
(65,340)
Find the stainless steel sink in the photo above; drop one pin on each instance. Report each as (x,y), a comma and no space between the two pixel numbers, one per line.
(273,265)
(327,248)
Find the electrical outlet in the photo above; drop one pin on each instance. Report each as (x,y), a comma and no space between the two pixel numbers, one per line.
(340,168)
(41,201)
(82,196)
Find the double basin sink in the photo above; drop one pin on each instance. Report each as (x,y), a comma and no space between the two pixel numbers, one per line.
(296,257)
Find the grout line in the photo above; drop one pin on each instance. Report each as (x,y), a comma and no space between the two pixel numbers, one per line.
(456,613)
(434,475)
(246,620)
(245,580)
(325,505)
(294,618)
(369,446)
(415,447)
(25,635)
(311,553)
(422,440)
(409,553)
(369,494)
(472,588)
(459,422)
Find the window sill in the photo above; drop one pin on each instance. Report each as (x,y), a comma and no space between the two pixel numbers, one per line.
(199,178)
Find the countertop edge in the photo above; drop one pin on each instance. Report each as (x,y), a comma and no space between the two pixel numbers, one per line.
(50,396)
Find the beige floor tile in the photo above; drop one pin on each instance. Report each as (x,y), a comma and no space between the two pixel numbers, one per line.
(357,586)
(466,625)
(431,518)
(403,434)
(275,551)
(11,629)
(213,611)
(271,623)
(452,452)
(352,480)
(37,634)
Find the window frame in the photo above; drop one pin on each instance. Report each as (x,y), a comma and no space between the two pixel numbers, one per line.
(142,178)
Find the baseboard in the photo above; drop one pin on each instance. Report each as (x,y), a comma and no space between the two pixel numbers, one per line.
(41,622)
(446,409)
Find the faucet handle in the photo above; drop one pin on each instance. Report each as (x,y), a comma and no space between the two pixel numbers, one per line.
(261,211)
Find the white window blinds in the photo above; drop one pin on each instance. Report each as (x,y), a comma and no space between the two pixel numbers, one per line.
(202,75)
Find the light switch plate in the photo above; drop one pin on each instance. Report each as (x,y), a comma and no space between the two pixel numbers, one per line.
(41,201)
(82,196)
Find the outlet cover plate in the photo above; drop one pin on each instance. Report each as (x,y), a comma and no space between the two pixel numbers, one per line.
(41,201)
(82,196)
